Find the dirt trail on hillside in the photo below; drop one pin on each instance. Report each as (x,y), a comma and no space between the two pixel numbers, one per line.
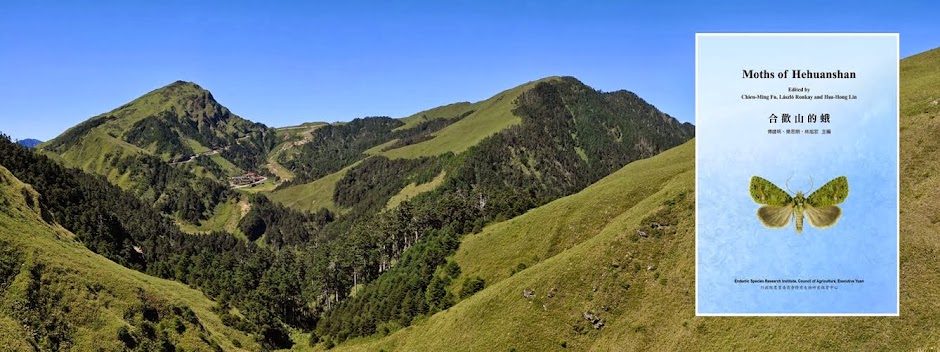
(279,170)
(244,207)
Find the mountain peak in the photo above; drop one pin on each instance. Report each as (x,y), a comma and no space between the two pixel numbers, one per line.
(182,83)
(181,89)
(182,98)
(166,121)
(29,142)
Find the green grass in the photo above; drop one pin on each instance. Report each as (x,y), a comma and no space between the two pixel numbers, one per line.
(567,245)
(378,149)
(95,293)
(584,246)
(197,170)
(228,169)
(413,189)
(920,89)
(312,196)
(303,125)
(490,116)
(266,186)
(164,99)
(225,217)
(89,154)
(146,105)
(445,111)
(227,166)
(300,341)
(291,138)
(296,133)
(546,231)
(279,170)
(197,148)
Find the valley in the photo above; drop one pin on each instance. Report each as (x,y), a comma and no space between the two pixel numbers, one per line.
(464,176)
(550,216)
(548,269)
(343,210)
(57,294)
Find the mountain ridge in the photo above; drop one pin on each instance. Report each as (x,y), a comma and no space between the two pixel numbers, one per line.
(561,136)
(570,136)
(502,117)
(577,254)
(29,142)
(175,120)
(642,288)
(141,144)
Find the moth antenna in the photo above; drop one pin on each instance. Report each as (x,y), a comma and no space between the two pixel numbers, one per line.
(811,183)
(788,184)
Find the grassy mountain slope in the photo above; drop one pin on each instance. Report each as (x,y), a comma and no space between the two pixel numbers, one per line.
(494,254)
(187,101)
(91,154)
(289,138)
(311,196)
(440,112)
(135,145)
(920,88)
(225,217)
(571,251)
(174,121)
(55,293)
(485,118)
(413,189)
(562,132)
(488,117)
(585,247)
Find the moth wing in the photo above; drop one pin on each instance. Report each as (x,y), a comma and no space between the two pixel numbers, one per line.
(832,193)
(823,217)
(774,216)
(765,192)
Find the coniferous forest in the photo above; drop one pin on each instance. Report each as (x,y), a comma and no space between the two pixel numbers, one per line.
(395,176)
(335,274)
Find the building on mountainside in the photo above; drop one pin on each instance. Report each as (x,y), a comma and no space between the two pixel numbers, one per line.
(249,178)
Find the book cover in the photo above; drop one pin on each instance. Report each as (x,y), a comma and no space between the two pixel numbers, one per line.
(797,174)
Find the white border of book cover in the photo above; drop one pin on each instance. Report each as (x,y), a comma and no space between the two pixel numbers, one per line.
(804,127)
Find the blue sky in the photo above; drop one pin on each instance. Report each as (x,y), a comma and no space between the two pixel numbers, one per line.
(283,64)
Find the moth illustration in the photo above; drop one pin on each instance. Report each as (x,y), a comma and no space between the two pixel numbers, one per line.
(820,207)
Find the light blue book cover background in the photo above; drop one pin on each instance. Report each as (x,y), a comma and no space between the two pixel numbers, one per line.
(733,144)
